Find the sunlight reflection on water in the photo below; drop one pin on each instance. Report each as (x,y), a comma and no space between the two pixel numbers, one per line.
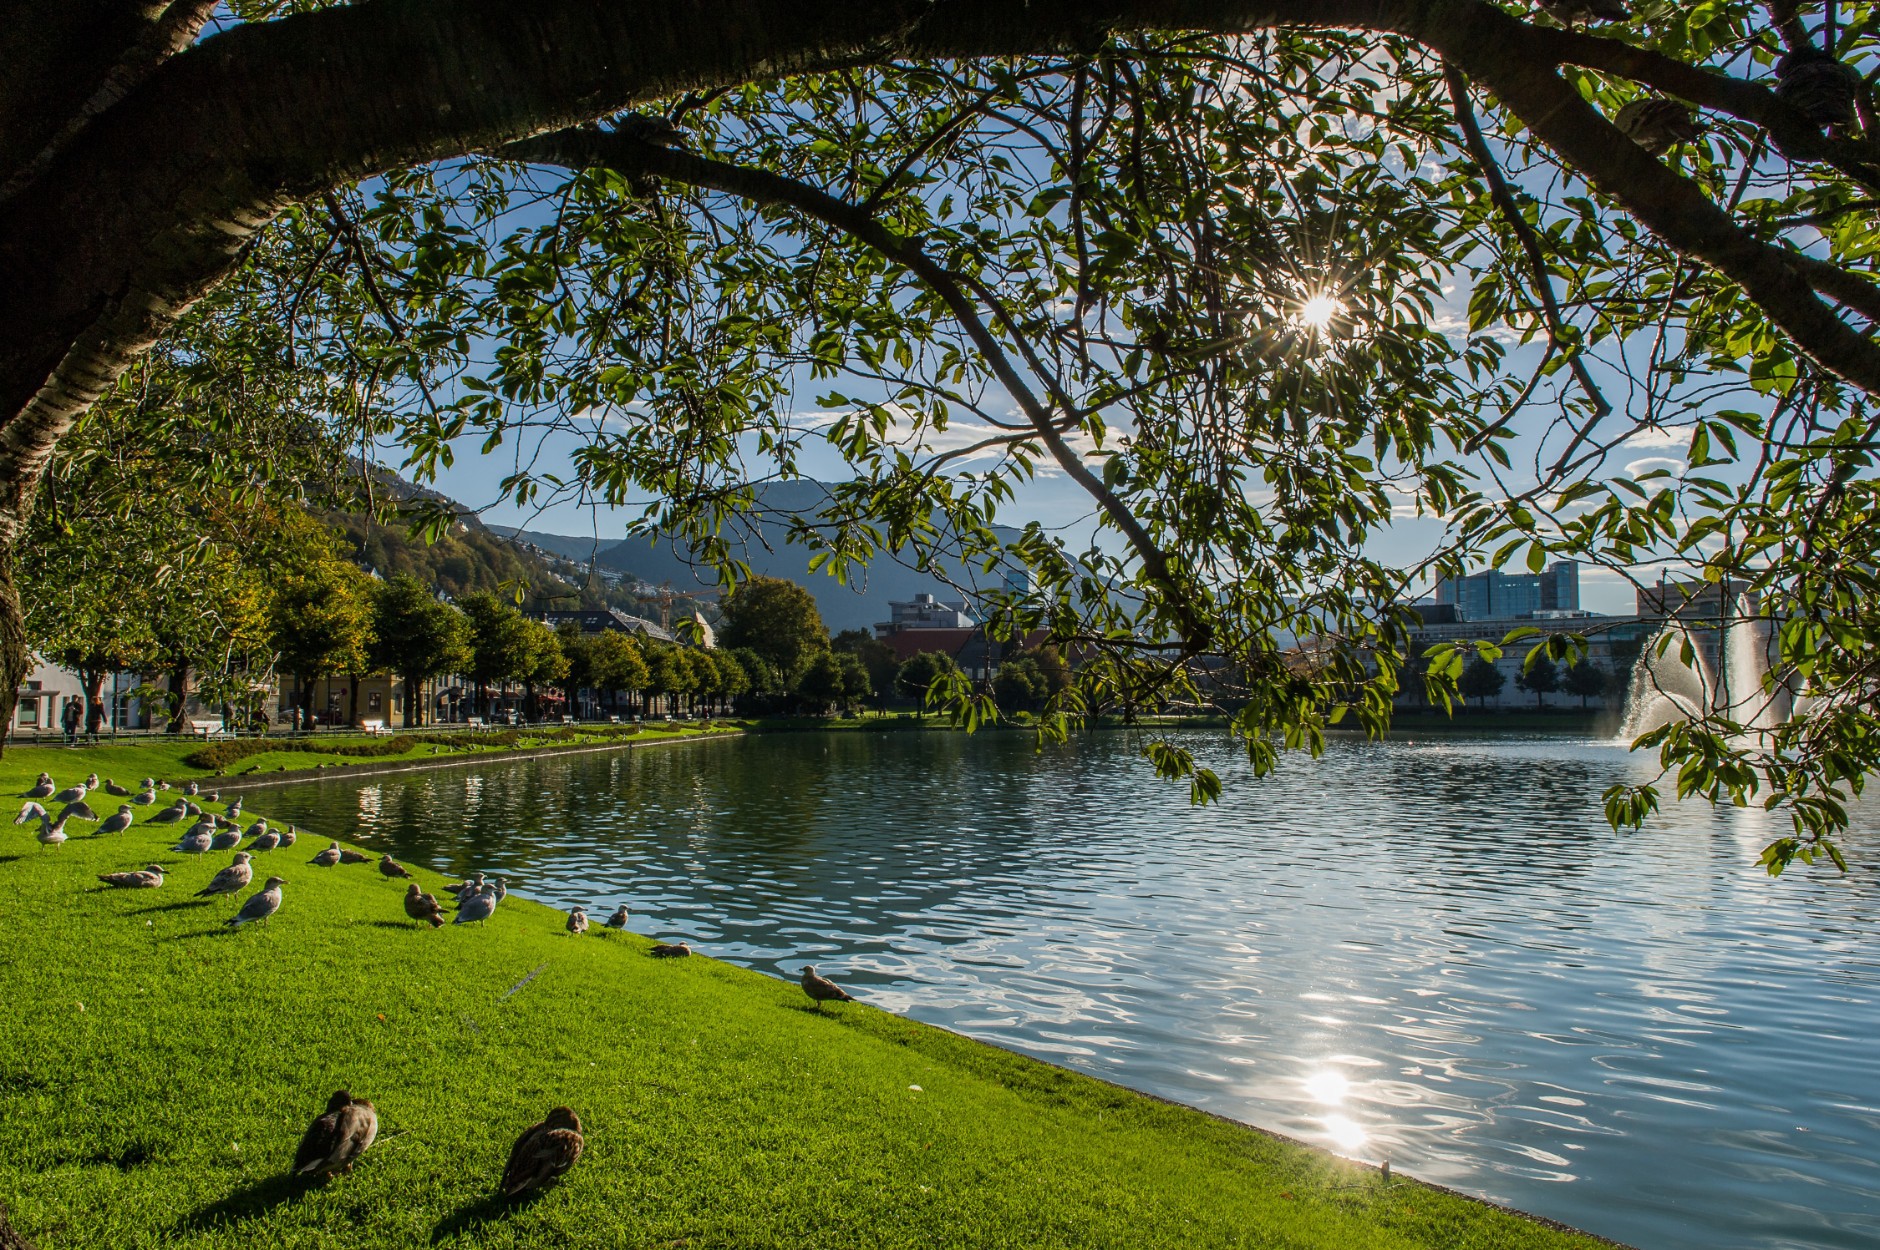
(1432,951)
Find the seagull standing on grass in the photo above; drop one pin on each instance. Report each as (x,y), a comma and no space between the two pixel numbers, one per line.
(389,867)
(72,794)
(327,858)
(80,810)
(114,789)
(42,788)
(349,856)
(231,879)
(475,908)
(170,815)
(144,797)
(287,839)
(335,1140)
(619,919)
(257,829)
(822,990)
(267,840)
(226,839)
(91,781)
(577,921)
(670,950)
(543,1153)
(260,906)
(51,832)
(144,879)
(30,810)
(118,822)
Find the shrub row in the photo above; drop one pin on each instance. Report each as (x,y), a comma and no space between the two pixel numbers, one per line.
(220,756)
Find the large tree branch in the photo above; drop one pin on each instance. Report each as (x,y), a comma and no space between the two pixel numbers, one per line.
(617,150)
(149,205)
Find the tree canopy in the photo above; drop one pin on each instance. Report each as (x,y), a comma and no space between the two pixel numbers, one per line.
(1262,280)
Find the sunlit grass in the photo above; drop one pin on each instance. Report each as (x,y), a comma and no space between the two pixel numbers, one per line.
(157,1069)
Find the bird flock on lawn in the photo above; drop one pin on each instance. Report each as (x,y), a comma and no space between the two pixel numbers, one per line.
(341,1133)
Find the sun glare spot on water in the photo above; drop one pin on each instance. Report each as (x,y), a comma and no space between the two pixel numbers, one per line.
(1329,1088)
(1319,310)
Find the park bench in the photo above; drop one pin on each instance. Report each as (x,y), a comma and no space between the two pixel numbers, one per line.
(207,728)
(475,722)
(374,726)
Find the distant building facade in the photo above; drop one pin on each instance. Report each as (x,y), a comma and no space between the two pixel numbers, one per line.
(602,620)
(924,611)
(1495,595)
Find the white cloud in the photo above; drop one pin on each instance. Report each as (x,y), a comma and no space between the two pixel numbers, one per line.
(1657,438)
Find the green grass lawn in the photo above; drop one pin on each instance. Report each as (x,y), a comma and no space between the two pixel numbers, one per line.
(157,1070)
(129,760)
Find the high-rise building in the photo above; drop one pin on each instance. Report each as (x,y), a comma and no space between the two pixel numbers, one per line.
(1495,595)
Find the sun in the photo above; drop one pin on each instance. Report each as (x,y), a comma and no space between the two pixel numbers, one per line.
(1318,311)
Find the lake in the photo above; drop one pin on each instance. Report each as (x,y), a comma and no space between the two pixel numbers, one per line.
(1431,950)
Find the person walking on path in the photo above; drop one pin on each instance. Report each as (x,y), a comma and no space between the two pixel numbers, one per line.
(69,719)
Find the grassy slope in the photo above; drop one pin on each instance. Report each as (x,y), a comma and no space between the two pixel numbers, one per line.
(128,760)
(156,1070)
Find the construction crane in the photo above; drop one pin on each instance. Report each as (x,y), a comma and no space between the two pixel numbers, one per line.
(667,594)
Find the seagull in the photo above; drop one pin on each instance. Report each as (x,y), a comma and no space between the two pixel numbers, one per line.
(260,906)
(257,829)
(475,908)
(148,783)
(467,889)
(119,822)
(80,810)
(670,950)
(287,839)
(335,1140)
(235,877)
(145,879)
(822,990)
(113,788)
(191,789)
(349,856)
(328,857)
(91,781)
(235,810)
(226,840)
(42,788)
(222,822)
(190,808)
(72,794)
(170,815)
(619,919)
(422,906)
(543,1153)
(214,796)
(30,810)
(389,867)
(265,842)
(51,832)
(144,797)
(502,889)
(193,843)
(577,921)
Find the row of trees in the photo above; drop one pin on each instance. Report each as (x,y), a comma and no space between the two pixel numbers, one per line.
(1482,681)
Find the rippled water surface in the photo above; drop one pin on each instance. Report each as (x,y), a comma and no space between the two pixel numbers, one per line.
(1431,951)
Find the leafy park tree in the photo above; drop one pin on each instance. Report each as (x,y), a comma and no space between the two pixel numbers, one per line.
(502,648)
(578,649)
(617,664)
(542,664)
(915,679)
(876,656)
(776,618)
(1481,681)
(416,637)
(1230,230)
(1020,685)
(1586,679)
(833,679)
(321,621)
(734,681)
(1540,678)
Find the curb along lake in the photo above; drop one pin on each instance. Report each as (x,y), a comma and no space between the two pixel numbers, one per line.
(1431,950)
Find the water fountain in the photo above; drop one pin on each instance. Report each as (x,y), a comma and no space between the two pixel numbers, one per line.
(1664,688)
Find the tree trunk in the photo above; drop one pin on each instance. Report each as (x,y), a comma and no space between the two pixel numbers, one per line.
(414,689)
(13,657)
(179,698)
(352,702)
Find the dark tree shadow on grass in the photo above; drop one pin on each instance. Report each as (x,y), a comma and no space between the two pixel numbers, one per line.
(486,1210)
(257,1199)
(403,926)
(10,859)
(187,904)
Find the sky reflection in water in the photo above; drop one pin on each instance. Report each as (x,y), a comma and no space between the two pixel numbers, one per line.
(1432,951)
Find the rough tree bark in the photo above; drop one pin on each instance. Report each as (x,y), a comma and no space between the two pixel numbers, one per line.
(132,173)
